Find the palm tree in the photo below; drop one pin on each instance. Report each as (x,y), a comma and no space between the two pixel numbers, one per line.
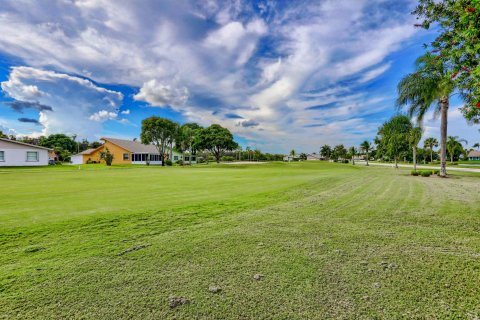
(429,144)
(326,151)
(248,149)
(454,144)
(413,140)
(353,153)
(429,86)
(477,145)
(366,147)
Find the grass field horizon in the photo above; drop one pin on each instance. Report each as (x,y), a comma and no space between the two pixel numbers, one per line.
(325,240)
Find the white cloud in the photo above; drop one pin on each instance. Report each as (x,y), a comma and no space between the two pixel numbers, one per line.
(160,95)
(103,115)
(374,73)
(125,112)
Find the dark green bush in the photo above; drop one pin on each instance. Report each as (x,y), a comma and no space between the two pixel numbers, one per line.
(180,162)
(425,173)
(228,158)
(414,173)
(168,162)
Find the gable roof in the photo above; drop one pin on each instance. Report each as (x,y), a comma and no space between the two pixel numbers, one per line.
(474,153)
(133,146)
(88,151)
(25,144)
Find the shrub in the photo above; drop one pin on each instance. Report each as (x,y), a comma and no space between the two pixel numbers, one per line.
(345,161)
(180,162)
(437,172)
(426,173)
(168,162)
(414,173)
(228,158)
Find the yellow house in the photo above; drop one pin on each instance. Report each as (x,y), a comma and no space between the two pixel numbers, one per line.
(125,152)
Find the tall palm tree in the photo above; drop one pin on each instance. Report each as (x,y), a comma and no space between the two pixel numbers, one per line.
(477,145)
(366,147)
(454,144)
(429,86)
(326,151)
(429,144)
(353,153)
(413,140)
(248,149)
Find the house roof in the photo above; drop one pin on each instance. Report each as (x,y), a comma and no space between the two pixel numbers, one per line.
(474,153)
(88,151)
(133,146)
(25,144)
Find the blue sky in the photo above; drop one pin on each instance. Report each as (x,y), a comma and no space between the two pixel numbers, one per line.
(278,74)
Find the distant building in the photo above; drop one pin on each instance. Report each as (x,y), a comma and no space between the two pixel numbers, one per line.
(314,156)
(289,158)
(474,155)
(128,152)
(16,154)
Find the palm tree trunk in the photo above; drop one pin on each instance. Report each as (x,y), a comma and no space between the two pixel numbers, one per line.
(414,159)
(443,135)
(431,154)
(367,158)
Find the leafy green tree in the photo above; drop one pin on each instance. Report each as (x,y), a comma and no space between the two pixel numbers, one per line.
(160,132)
(303,156)
(95,144)
(414,138)
(326,151)
(59,141)
(393,137)
(292,153)
(457,45)
(429,144)
(352,151)
(3,135)
(366,147)
(428,87)
(217,139)
(454,146)
(107,156)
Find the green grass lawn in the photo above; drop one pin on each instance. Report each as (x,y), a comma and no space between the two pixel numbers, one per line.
(330,240)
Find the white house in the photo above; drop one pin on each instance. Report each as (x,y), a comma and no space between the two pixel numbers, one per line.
(474,155)
(14,153)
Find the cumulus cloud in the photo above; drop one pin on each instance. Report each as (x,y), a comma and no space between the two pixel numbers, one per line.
(103,115)
(160,95)
(70,104)
(125,112)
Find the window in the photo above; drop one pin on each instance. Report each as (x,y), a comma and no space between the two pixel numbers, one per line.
(125,156)
(187,158)
(194,158)
(32,156)
(2,156)
(175,158)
